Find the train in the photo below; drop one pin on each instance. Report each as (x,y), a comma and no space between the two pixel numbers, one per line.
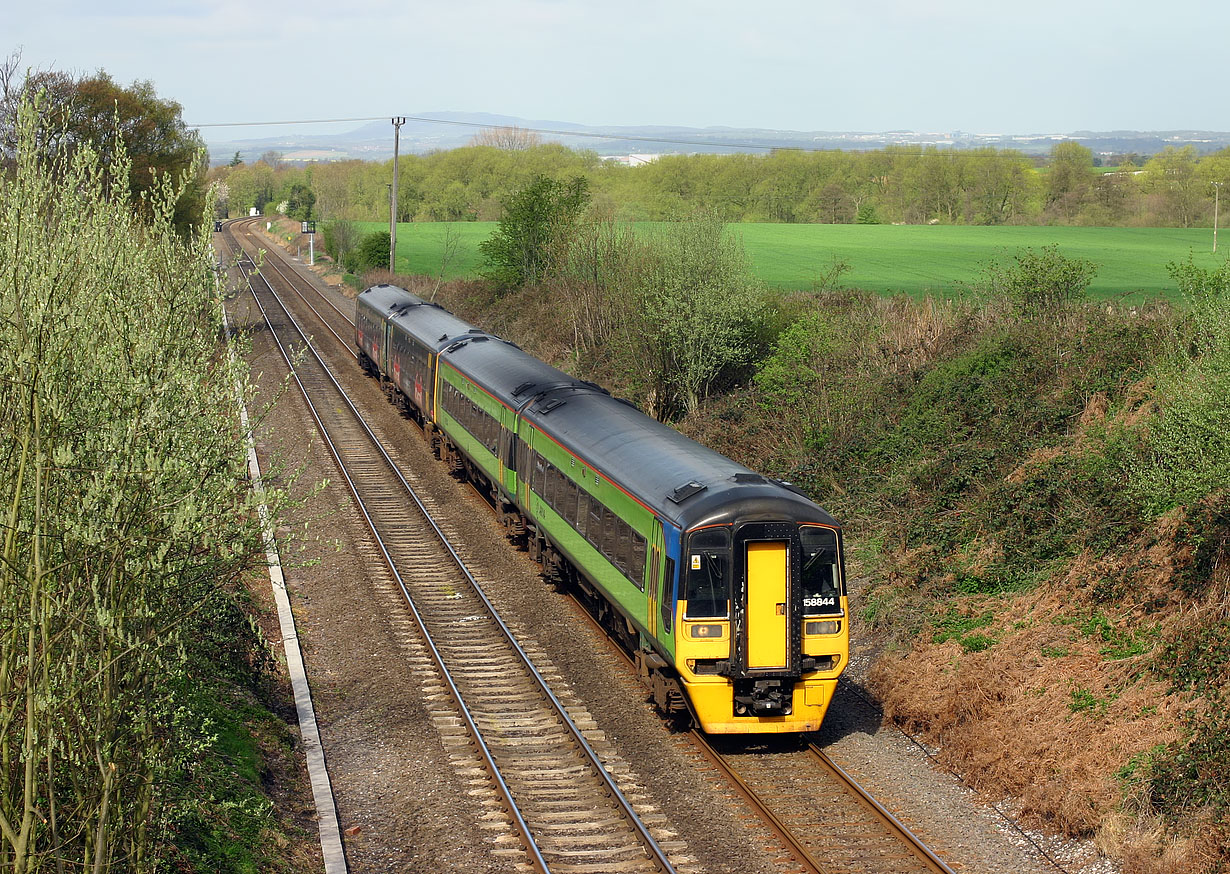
(726,587)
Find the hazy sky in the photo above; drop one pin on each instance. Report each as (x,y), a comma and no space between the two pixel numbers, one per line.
(983,66)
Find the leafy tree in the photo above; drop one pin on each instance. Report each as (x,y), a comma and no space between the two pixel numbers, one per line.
(126,524)
(867,215)
(113,121)
(236,161)
(1181,193)
(533,236)
(692,315)
(1070,179)
(299,202)
(340,239)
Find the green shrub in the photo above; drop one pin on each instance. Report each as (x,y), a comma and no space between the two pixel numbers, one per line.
(372,253)
(1189,440)
(1040,282)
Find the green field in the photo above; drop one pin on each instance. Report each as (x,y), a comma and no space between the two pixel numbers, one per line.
(915,259)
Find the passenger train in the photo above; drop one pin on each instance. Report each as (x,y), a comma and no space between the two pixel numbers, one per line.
(726,586)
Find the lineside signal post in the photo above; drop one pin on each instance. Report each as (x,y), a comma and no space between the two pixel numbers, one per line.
(309,228)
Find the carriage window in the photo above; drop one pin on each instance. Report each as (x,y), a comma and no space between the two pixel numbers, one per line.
(570,501)
(581,519)
(706,582)
(636,562)
(595,522)
(821,586)
(537,473)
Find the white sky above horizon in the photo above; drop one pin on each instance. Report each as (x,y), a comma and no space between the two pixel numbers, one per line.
(1052,66)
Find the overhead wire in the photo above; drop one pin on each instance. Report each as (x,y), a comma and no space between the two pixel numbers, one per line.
(706,143)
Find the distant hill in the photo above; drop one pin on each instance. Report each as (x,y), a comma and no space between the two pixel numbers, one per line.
(431,131)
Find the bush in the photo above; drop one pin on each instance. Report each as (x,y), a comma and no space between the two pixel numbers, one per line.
(128,520)
(1189,442)
(535,231)
(1040,282)
(339,238)
(372,253)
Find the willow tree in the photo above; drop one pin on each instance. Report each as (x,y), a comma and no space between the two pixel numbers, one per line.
(124,507)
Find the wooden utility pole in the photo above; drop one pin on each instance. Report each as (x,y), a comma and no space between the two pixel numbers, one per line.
(1216,203)
(397,123)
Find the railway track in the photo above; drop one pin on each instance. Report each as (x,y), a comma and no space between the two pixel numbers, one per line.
(823,820)
(569,811)
(827,822)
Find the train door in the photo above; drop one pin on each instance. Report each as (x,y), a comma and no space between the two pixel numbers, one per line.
(653,583)
(509,454)
(768,574)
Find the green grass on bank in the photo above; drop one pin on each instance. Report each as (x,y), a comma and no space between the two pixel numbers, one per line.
(915,259)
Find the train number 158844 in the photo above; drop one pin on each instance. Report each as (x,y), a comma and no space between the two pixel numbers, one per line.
(820,602)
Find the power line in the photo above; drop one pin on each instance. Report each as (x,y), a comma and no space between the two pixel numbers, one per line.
(563,133)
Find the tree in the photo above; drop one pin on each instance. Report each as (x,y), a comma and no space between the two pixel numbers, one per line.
(692,313)
(373,251)
(534,233)
(513,139)
(114,121)
(1070,180)
(299,202)
(236,161)
(1171,177)
(126,524)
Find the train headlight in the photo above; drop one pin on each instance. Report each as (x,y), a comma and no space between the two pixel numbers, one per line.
(824,626)
(705,632)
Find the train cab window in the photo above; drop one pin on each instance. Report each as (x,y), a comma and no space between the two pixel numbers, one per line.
(707,579)
(821,586)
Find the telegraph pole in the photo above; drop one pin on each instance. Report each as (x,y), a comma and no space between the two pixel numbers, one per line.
(397,123)
(1216,202)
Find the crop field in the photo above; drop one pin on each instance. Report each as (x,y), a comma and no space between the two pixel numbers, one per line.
(914,259)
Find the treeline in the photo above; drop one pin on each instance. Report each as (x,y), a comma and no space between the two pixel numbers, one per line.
(912,185)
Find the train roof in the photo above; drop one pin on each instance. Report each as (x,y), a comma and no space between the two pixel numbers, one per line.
(387,298)
(508,373)
(427,322)
(673,475)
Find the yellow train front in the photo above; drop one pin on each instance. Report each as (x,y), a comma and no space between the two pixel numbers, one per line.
(761,632)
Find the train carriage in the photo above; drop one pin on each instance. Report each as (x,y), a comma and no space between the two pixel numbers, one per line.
(725,585)
(399,336)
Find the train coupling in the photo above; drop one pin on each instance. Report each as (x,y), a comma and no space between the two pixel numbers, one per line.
(764,697)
